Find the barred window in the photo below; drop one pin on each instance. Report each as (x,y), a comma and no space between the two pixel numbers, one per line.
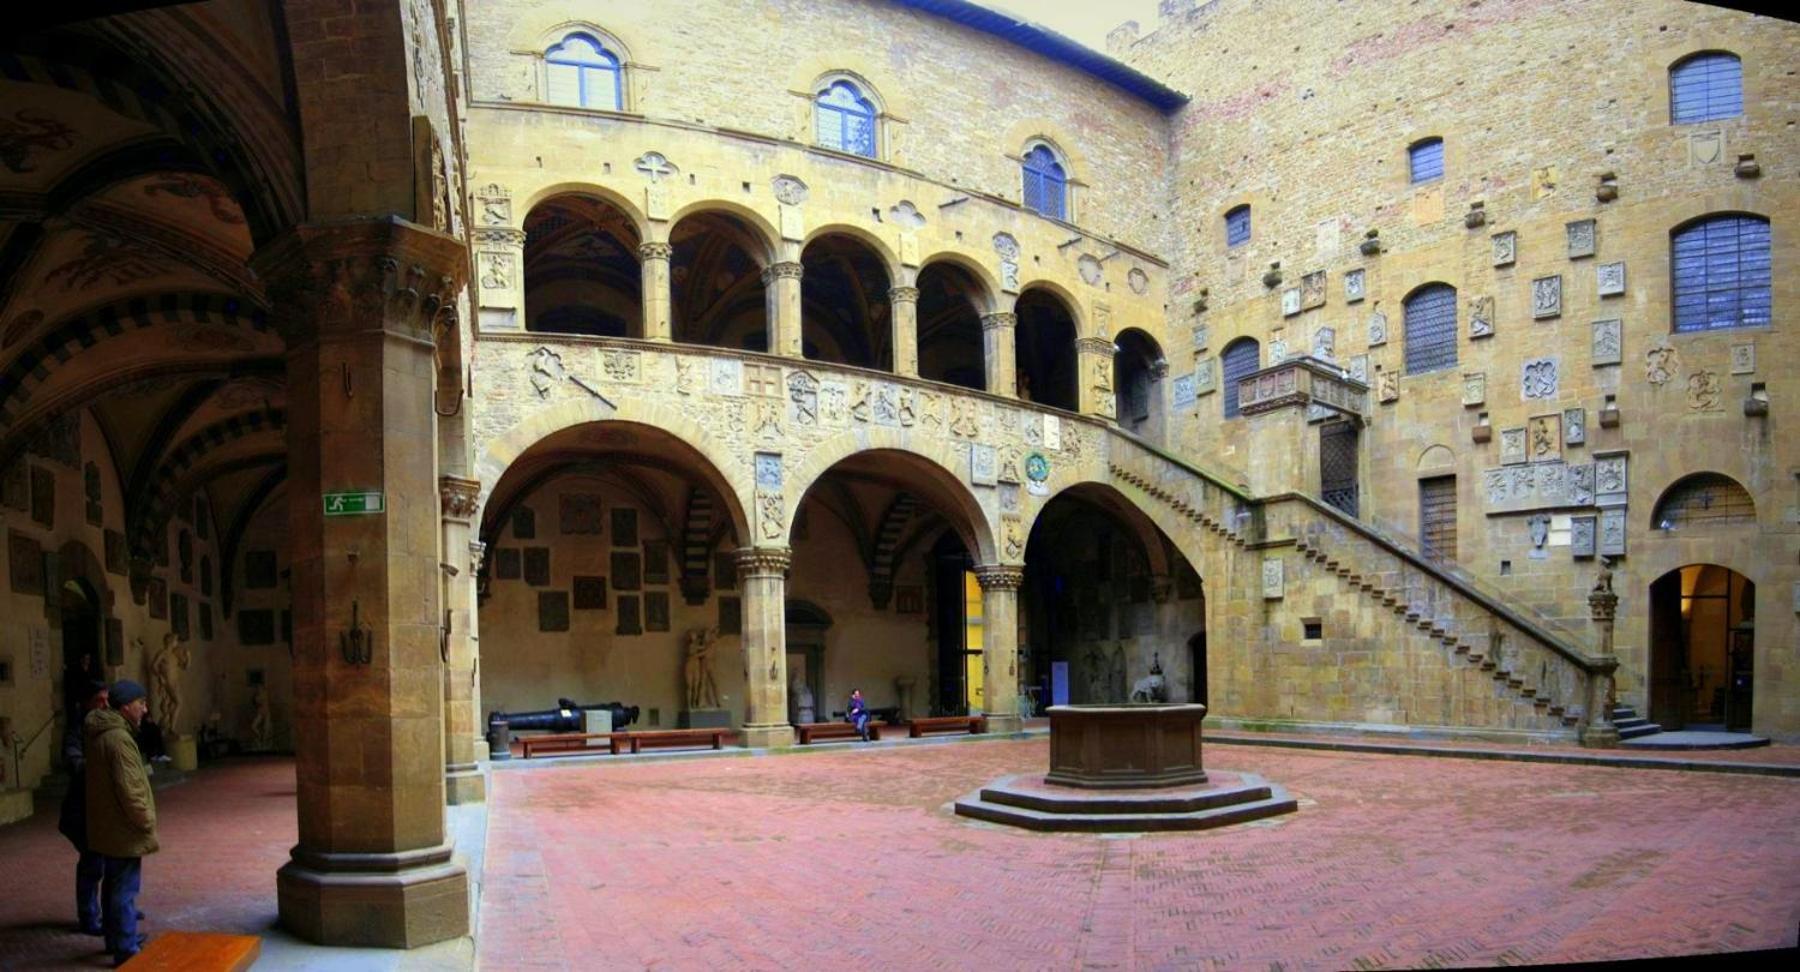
(1720,274)
(1426,158)
(1706,87)
(1239,359)
(1702,500)
(1046,183)
(1431,329)
(580,71)
(1237,226)
(845,120)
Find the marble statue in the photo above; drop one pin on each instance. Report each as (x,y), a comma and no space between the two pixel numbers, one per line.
(262,728)
(702,687)
(165,676)
(804,707)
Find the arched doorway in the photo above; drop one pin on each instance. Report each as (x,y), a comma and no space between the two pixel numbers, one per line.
(806,627)
(1138,370)
(81,643)
(1702,648)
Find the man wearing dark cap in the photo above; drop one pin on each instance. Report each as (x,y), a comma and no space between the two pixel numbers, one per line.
(121,813)
(73,819)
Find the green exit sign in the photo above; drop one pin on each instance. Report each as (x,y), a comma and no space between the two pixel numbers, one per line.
(354,503)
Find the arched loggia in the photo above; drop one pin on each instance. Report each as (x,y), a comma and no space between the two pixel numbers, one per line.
(582,274)
(1044,349)
(845,314)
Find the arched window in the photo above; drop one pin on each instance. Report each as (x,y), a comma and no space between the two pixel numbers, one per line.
(1702,500)
(1046,183)
(1706,87)
(580,71)
(1426,159)
(1431,329)
(845,120)
(1240,358)
(1237,226)
(1720,272)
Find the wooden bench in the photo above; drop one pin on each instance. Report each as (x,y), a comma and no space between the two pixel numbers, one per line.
(970,724)
(569,742)
(673,738)
(810,731)
(179,951)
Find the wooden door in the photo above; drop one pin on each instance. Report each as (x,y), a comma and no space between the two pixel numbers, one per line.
(1437,517)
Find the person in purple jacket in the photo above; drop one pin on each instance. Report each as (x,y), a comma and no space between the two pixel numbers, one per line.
(859,714)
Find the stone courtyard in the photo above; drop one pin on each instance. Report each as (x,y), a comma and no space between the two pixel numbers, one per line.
(854,858)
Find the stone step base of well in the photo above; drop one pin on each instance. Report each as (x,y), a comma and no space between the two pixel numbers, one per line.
(1026,801)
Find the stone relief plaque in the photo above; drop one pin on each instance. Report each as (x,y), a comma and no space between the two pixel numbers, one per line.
(1205,377)
(1138,281)
(1277,349)
(1581,484)
(590,593)
(1474,387)
(1378,329)
(1274,579)
(1202,337)
(762,380)
(553,610)
(1359,368)
(983,464)
(771,515)
(1290,302)
(1312,290)
(1611,479)
(1481,317)
(1610,279)
(1743,359)
(1325,344)
(1512,446)
(803,392)
(1182,391)
(1546,297)
(1612,533)
(624,367)
(1608,343)
(768,470)
(1354,287)
(537,566)
(727,377)
(1538,378)
(1704,392)
(1661,362)
(1506,248)
(1052,433)
(1088,266)
(1574,426)
(1581,238)
(1390,386)
(1581,536)
(1543,439)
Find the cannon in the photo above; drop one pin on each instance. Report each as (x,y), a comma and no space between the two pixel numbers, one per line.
(566,717)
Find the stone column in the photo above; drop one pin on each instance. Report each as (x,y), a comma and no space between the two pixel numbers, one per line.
(1000,643)
(463,782)
(781,290)
(762,576)
(904,304)
(998,354)
(360,305)
(657,299)
(500,278)
(1597,730)
(1094,377)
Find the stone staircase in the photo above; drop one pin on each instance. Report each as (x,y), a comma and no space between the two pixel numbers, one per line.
(1631,725)
(1534,663)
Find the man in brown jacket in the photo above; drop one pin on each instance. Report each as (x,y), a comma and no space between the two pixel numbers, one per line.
(121,813)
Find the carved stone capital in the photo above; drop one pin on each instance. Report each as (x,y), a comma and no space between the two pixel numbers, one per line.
(656,251)
(357,276)
(787,269)
(764,561)
(500,236)
(1100,346)
(903,295)
(999,577)
(999,319)
(458,496)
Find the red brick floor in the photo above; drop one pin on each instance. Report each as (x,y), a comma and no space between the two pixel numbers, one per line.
(851,858)
(223,834)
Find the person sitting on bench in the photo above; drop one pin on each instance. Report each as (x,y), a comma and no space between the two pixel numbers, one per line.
(859,714)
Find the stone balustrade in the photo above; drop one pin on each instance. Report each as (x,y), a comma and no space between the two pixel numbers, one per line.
(1304,382)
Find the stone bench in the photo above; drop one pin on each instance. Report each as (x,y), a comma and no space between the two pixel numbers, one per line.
(180,951)
(974,725)
(810,731)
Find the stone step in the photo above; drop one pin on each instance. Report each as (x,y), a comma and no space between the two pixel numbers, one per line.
(1071,818)
(1637,731)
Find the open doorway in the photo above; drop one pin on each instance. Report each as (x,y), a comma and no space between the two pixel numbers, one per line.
(81,643)
(1702,649)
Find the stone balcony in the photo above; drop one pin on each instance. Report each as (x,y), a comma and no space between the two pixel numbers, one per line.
(1321,388)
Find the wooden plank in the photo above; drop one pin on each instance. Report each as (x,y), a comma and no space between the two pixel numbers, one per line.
(179,951)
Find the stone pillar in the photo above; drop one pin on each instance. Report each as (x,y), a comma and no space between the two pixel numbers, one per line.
(657,299)
(781,290)
(463,782)
(1094,377)
(998,354)
(500,278)
(1597,730)
(360,305)
(904,303)
(762,576)
(1000,643)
